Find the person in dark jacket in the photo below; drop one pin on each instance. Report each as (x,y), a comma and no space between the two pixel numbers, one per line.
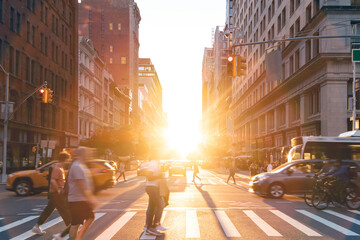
(231,174)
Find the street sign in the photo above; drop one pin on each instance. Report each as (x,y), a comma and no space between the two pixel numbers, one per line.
(43,143)
(356,55)
(52,144)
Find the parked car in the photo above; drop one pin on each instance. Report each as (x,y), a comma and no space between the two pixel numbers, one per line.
(177,167)
(34,181)
(294,177)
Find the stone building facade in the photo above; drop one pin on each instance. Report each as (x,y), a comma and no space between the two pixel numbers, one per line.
(313,95)
(38,43)
(113,27)
(101,103)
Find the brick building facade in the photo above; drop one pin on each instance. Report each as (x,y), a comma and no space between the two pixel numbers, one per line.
(113,27)
(38,42)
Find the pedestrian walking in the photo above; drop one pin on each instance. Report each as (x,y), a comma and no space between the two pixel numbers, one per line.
(155,205)
(269,167)
(231,174)
(121,171)
(164,201)
(81,199)
(56,198)
(195,172)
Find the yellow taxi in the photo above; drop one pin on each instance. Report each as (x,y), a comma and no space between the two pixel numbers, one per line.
(34,181)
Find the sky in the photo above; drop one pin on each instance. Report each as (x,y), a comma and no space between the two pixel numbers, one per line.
(174,33)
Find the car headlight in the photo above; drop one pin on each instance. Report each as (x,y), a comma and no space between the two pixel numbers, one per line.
(263,178)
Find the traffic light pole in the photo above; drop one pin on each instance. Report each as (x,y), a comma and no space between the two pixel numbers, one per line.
(4,176)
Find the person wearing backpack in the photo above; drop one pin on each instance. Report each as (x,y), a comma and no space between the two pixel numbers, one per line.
(56,198)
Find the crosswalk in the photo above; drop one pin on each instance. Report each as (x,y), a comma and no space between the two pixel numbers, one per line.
(179,180)
(194,224)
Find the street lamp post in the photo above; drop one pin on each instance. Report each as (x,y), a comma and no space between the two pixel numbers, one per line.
(3,177)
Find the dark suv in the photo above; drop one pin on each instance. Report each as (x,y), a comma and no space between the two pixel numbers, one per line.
(294,177)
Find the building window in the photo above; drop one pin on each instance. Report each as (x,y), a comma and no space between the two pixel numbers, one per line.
(292,7)
(28,31)
(1,10)
(110,26)
(111,61)
(11,60)
(29,111)
(123,60)
(297,26)
(119,26)
(308,13)
(17,63)
(111,48)
(297,60)
(307,50)
(27,69)
(18,22)
(12,12)
(291,65)
(292,31)
(316,45)
(33,35)
(102,15)
(314,103)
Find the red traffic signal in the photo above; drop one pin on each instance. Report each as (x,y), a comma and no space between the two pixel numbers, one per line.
(230,58)
(42,90)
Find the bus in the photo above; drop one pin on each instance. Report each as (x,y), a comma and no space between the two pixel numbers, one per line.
(345,146)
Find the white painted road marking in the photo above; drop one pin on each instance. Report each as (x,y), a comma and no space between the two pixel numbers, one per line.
(354,211)
(226,224)
(347,218)
(192,225)
(308,231)
(17,223)
(116,226)
(211,182)
(270,231)
(49,224)
(329,224)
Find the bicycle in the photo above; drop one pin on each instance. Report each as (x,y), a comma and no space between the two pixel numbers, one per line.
(315,188)
(324,195)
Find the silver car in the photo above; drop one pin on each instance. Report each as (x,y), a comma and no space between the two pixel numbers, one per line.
(291,178)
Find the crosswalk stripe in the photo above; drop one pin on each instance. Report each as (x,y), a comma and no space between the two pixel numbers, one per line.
(347,218)
(116,226)
(354,211)
(226,224)
(132,180)
(332,225)
(17,223)
(212,182)
(308,231)
(192,225)
(163,217)
(262,224)
(49,224)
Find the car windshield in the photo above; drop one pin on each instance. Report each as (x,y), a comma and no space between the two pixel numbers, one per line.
(281,167)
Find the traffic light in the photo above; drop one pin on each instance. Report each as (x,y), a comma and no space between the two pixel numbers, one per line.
(43,94)
(241,66)
(34,149)
(230,66)
(50,95)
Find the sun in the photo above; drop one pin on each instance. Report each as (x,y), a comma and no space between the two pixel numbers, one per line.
(184,138)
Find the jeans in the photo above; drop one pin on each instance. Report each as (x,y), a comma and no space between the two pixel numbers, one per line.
(154,206)
(56,201)
(231,176)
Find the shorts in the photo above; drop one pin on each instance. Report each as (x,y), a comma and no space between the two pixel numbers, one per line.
(80,211)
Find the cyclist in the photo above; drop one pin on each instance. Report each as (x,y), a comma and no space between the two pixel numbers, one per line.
(340,174)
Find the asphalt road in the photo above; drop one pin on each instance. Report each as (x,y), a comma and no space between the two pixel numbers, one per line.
(210,209)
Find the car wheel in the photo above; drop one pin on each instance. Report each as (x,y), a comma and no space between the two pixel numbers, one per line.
(23,188)
(276,190)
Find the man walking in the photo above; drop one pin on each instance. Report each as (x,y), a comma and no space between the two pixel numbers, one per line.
(196,171)
(56,198)
(81,199)
(122,171)
(231,174)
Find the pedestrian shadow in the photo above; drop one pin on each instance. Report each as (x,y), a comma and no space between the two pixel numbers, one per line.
(144,236)
(209,201)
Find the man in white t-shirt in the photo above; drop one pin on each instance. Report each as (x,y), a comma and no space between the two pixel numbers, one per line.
(269,167)
(81,199)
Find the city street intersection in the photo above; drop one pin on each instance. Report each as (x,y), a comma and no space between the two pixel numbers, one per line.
(212,209)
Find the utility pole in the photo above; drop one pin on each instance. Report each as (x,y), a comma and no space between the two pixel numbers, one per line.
(4,176)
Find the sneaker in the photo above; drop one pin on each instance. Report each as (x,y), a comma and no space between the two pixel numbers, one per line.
(161,228)
(37,230)
(58,237)
(153,231)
